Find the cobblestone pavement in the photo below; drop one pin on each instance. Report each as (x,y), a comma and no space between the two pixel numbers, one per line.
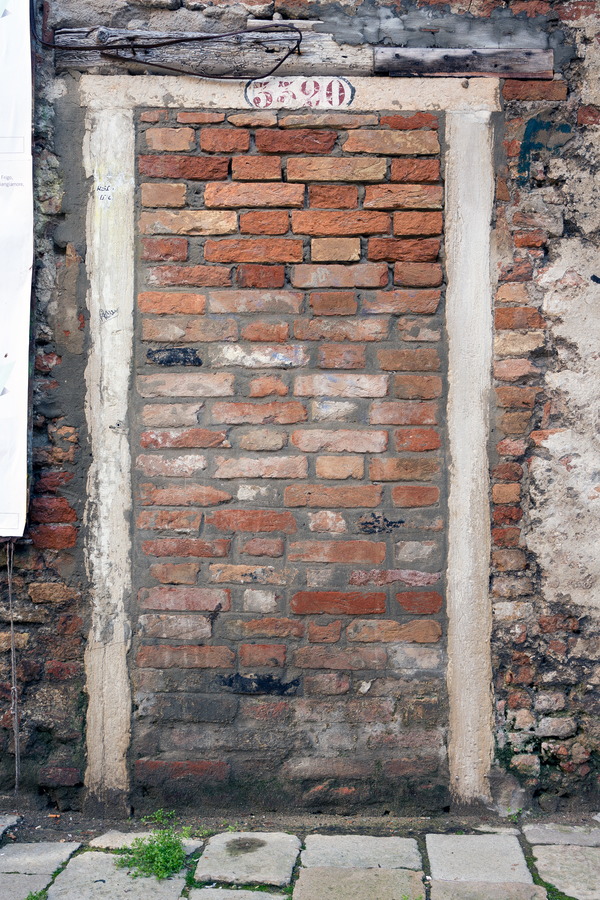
(537,861)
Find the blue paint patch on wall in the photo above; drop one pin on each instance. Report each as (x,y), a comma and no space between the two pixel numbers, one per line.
(539,135)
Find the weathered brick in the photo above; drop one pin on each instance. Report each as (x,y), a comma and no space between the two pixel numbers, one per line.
(171,414)
(169,520)
(163,303)
(192,168)
(341,356)
(333,303)
(335,249)
(262,467)
(316,495)
(200,118)
(419,631)
(253,119)
(262,654)
(415,170)
(417,387)
(185,599)
(352,659)
(263,439)
(165,194)
(329,119)
(337,551)
(517,397)
(509,560)
(414,274)
(170,139)
(175,627)
(253,250)
(255,194)
(336,602)
(329,684)
(262,356)
(185,385)
(254,520)
(380,577)
(506,493)
(404,469)
(191,437)
(267,386)
(297,141)
(341,330)
(410,121)
(318,222)
(333,196)
(420,602)
(336,169)
(255,301)
(53,536)
(408,496)
(191,495)
(51,592)
(514,343)
(327,521)
(194,330)
(534,90)
(188,221)
(194,276)
(505,515)
(421,360)
(514,369)
(250,574)
(48,508)
(422,302)
(224,140)
(190,657)
(412,250)
(403,196)
(418,223)
(161,249)
(341,385)
(516,317)
(506,537)
(273,221)
(274,412)
(339,467)
(403,412)
(175,573)
(390,143)
(340,440)
(266,331)
(153,115)
(256,168)
(272,547)
(159,772)
(266,627)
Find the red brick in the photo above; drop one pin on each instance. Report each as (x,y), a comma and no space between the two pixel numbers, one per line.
(345,497)
(324,634)
(419,631)
(256,168)
(424,302)
(160,772)
(534,90)
(352,659)
(421,360)
(511,317)
(506,537)
(337,551)
(365,275)
(191,437)
(163,194)
(415,170)
(517,397)
(417,387)
(403,196)
(158,249)
(253,250)
(190,495)
(341,330)
(253,520)
(192,168)
(417,439)
(332,168)
(185,657)
(404,469)
(262,654)
(418,274)
(169,520)
(273,547)
(52,481)
(196,329)
(175,573)
(274,412)
(163,303)
(330,684)
(186,599)
(262,467)
(588,115)
(266,331)
(420,602)
(296,141)
(335,602)
(154,115)
(48,508)
(59,776)
(424,250)
(340,223)
(200,118)
(333,196)
(195,276)
(505,515)
(514,369)
(233,195)
(266,386)
(224,140)
(418,223)
(53,537)
(403,412)
(170,139)
(274,221)
(333,303)
(511,447)
(340,356)
(408,496)
(254,275)
(255,301)
(340,440)
(506,493)
(410,122)
(339,467)
(390,143)
(537,238)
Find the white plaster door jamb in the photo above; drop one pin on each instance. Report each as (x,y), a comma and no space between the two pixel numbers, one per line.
(109,161)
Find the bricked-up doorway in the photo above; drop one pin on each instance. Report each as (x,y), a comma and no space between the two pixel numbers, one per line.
(289,458)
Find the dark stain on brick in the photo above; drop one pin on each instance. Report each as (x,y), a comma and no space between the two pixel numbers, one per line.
(376,523)
(258,684)
(178,356)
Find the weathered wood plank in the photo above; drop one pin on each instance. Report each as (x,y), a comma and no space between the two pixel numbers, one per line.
(242,56)
(407,62)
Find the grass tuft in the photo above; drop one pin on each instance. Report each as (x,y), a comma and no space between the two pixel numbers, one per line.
(162,853)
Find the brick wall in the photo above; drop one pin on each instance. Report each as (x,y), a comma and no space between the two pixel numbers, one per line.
(289,459)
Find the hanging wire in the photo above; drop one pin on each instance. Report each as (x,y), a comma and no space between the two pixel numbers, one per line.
(14,690)
(135,44)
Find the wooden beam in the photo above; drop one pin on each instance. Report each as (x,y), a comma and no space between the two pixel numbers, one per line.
(417,62)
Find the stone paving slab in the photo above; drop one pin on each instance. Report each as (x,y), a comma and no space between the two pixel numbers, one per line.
(94,876)
(249,858)
(17,887)
(359,884)
(226,894)
(477,890)
(493,858)
(7,822)
(118,840)
(356,851)
(36,859)
(582,835)
(574,870)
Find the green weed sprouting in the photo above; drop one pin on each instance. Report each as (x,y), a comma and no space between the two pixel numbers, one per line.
(161,853)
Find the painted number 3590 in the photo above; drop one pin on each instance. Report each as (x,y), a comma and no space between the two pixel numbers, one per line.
(294,93)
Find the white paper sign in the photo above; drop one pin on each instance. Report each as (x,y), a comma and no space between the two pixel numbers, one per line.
(16,260)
